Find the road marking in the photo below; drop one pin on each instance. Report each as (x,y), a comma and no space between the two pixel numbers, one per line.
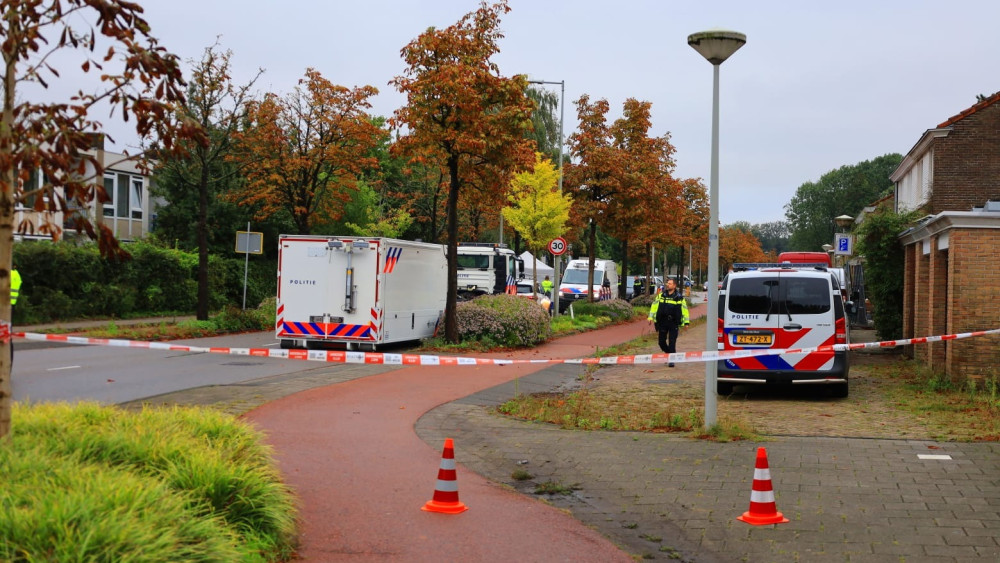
(931,456)
(62,368)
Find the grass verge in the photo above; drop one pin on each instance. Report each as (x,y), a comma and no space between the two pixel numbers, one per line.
(86,482)
(890,398)
(968,410)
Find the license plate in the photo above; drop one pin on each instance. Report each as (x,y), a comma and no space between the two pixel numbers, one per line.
(749,339)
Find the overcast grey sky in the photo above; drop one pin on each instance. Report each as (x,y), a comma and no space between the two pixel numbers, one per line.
(817,86)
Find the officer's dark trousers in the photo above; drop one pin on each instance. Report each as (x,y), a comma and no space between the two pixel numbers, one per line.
(668,338)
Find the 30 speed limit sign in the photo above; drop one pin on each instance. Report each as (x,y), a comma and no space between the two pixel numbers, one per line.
(557,246)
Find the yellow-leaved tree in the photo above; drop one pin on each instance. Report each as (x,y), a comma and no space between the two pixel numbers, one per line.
(539,212)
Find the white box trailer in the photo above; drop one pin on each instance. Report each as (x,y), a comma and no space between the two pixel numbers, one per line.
(358,291)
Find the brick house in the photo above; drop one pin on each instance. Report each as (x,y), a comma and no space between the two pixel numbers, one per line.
(951,284)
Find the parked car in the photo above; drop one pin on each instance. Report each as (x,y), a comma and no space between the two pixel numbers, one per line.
(635,285)
(525,289)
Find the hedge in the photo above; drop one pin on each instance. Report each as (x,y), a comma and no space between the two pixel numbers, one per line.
(63,281)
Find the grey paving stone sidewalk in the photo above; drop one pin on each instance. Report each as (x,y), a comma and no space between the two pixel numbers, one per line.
(669,497)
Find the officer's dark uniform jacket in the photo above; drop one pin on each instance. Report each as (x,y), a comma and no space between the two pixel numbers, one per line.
(669,310)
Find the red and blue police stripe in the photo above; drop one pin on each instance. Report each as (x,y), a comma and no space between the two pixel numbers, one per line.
(391,257)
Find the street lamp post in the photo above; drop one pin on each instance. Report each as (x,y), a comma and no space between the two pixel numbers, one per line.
(716,46)
(562,112)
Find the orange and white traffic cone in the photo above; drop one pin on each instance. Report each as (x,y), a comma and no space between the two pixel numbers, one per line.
(445,498)
(763,510)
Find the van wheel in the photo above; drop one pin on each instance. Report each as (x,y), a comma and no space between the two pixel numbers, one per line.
(840,391)
(288,344)
(724,388)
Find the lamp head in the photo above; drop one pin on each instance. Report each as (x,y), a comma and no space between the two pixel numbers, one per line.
(717,45)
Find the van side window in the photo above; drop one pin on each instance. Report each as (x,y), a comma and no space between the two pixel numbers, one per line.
(752,295)
(805,296)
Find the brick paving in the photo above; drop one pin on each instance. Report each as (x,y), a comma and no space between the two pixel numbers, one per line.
(847,499)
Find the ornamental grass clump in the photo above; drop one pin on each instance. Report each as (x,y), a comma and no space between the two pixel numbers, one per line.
(159,480)
(503,320)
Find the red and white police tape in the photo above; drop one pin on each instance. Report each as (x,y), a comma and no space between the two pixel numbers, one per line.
(351,357)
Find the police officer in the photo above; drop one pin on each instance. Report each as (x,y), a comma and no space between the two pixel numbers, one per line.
(668,313)
(15,290)
(547,286)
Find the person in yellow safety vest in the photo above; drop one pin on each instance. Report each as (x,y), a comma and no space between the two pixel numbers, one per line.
(547,286)
(15,291)
(668,313)
(15,285)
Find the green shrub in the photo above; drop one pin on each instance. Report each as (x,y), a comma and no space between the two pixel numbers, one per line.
(504,320)
(615,309)
(64,281)
(643,300)
(110,485)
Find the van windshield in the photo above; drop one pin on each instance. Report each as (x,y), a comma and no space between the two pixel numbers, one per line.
(579,277)
(794,296)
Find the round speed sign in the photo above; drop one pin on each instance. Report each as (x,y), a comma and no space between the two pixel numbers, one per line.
(557,246)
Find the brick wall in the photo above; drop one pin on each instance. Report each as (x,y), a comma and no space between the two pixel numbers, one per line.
(937,303)
(975,300)
(953,293)
(921,318)
(967,163)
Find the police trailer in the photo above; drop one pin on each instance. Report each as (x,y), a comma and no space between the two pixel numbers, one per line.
(358,292)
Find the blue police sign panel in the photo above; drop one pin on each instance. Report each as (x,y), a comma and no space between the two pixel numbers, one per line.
(845,244)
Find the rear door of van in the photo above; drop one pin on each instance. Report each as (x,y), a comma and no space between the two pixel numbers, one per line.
(779,309)
(806,319)
(747,318)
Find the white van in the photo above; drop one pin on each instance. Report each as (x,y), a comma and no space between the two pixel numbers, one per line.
(573,286)
(782,306)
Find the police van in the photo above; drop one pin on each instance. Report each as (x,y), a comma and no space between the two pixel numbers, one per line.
(778,306)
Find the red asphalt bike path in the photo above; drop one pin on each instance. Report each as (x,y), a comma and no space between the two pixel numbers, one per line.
(350,453)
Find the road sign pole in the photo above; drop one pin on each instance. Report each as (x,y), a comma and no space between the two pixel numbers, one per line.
(246,267)
(555,286)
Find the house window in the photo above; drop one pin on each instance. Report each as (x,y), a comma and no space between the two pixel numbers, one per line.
(34,182)
(125,191)
(135,199)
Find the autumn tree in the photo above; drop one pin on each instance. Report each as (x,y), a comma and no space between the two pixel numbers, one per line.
(462,115)
(137,78)
(303,154)
(592,180)
(647,201)
(736,246)
(206,169)
(539,212)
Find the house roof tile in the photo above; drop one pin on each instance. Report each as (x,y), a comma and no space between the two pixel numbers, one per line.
(978,106)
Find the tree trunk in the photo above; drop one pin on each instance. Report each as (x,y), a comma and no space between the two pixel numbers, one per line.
(7,241)
(622,282)
(534,271)
(592,254)
(202,312)
(645,268)
(450,314)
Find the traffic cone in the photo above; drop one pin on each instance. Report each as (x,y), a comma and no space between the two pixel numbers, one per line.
(445,498)
(762,508)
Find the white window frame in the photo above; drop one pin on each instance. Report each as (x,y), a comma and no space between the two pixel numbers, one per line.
(133,189)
